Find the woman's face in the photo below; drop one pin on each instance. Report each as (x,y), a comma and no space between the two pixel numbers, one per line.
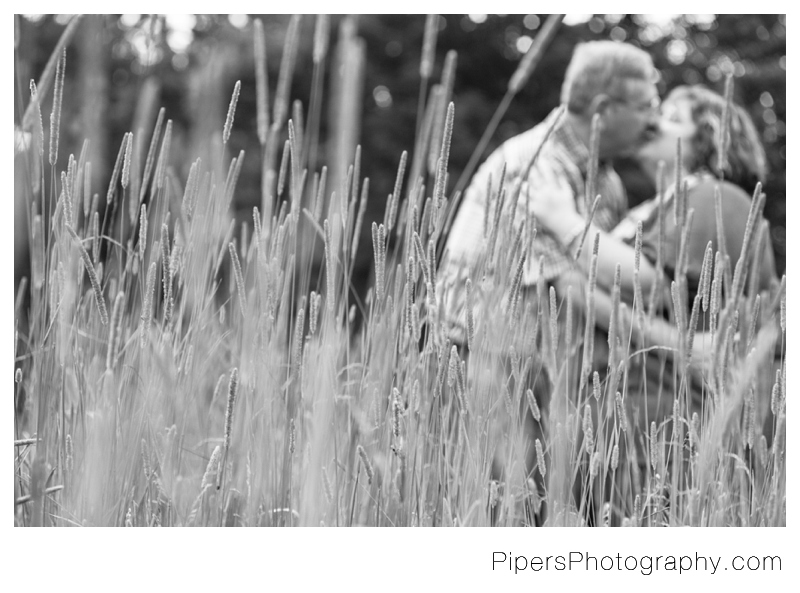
(675,122)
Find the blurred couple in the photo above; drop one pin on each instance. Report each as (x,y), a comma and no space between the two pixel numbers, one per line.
(612,87)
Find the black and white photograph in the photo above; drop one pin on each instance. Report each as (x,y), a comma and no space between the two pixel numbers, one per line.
(413,270)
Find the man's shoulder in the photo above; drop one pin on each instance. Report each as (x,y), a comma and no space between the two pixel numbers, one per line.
(517,152)
(530,140)
(533,135)
(519,148)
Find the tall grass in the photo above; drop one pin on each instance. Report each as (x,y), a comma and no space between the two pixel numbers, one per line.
(126,419)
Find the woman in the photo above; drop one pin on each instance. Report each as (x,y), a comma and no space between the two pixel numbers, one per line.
(691,119)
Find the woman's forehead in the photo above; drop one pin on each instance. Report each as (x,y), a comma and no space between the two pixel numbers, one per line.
(680,105)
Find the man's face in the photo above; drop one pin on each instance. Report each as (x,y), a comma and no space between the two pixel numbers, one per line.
(630,119)
(676,123)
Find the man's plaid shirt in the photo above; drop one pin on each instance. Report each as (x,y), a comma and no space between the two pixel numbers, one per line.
(568,158)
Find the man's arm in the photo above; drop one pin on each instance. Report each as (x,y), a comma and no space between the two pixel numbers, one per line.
(552,201)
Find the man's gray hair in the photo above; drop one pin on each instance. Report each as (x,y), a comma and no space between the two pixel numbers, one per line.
(603,67)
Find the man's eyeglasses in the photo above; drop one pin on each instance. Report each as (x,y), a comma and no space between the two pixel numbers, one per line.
(651,106)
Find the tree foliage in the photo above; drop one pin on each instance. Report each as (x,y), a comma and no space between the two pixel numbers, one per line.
(197,61)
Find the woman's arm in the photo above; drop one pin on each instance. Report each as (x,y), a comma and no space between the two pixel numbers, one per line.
(657,331)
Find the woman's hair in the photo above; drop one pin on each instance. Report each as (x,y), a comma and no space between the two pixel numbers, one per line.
(746,159)
(603,67)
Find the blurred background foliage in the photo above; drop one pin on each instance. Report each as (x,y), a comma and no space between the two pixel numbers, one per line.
(190,63)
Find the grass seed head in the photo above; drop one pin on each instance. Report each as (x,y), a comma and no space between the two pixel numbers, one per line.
(705,276)
(68,453)
(126,162)
(209,477)
(588,429)
(239,278)
(540,461)
(39,127)
(776,402)
(226,131)
(366,463)
(534,406)
(147,305)
(142,231)
(783,311)
(93,279)
(233,387)
(55,117)
(595,465)
(654,454)
(622,417)
(326,483)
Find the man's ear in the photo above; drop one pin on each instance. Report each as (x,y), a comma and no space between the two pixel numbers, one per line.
(600,104)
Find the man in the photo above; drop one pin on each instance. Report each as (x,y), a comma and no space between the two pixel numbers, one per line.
(615,81)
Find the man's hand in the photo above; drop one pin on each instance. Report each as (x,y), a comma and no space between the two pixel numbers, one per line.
(552,202)
(703,353)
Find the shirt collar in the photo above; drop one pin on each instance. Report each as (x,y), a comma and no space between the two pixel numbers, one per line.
(576,149)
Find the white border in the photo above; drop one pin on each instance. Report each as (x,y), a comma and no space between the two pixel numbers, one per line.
(385,559)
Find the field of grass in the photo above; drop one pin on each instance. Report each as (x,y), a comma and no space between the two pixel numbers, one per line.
(179,371)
